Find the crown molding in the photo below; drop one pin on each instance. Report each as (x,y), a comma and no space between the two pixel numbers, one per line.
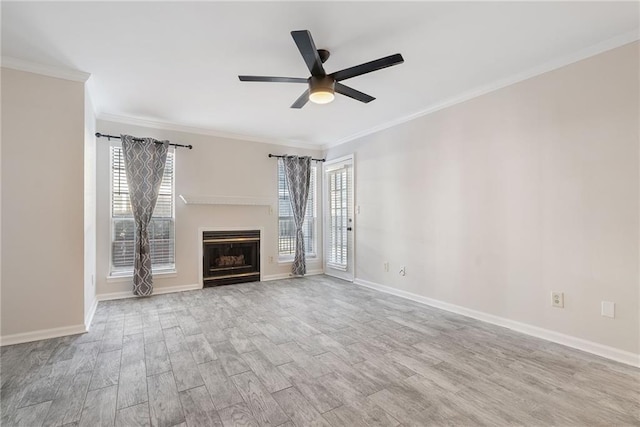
(588,52)
(202,131)
(45,70)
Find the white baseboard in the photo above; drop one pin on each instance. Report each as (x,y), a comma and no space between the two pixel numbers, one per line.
(156,291)
(289,275)
(42,334)
(90,314)
(608,352)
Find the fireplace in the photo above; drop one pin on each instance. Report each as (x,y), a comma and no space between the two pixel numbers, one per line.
(230,257)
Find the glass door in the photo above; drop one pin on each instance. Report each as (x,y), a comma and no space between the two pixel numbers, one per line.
(339,221)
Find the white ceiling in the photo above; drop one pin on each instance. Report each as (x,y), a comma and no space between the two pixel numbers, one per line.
(178,62)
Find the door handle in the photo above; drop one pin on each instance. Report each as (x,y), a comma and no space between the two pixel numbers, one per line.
(349,228)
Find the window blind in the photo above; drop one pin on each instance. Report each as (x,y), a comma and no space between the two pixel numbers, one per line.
(286,224)
(161,227)
(339,196)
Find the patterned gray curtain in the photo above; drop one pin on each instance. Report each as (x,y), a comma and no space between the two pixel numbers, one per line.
(144,164)
(298,173)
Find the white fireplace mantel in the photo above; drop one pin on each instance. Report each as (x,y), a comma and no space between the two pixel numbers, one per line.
(226,200)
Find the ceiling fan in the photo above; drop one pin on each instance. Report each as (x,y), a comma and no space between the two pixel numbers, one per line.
(322,86)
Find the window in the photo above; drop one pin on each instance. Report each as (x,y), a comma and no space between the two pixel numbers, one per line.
(337,221)
(286,225)
(161,227)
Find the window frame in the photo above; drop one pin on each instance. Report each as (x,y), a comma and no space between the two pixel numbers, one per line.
(170,269)
(288,258)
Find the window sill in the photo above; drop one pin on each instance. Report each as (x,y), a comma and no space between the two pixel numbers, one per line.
(289,260)
(126,277)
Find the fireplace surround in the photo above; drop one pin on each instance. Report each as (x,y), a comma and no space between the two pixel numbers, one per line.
(229,257)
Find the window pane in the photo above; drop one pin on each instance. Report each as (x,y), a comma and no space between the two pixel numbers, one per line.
(286,224)
(162,225)
(337,221)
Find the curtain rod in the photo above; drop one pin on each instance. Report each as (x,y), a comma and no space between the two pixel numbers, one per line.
(280,157)
(102,135)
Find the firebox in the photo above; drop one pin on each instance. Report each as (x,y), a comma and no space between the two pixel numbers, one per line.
(230,257)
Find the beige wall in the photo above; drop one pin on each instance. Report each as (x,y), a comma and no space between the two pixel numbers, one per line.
(494,203)
(215,167)
(42,202)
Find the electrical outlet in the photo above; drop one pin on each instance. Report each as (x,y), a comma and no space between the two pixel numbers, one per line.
(608,309)
(557,299)
(386,267)
(358,209)
(403,271)
(270,260)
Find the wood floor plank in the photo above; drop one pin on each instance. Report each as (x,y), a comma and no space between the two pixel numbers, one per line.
(314,367)
(198,407)
(238,415)
(45,384)
(264,408)
(200,348)
(99,407)
(156,358)
(222,390)
(29,416)
(167,320)
(134,416)
(67,405)
(358,381)
(189,325)
(212,331)
(271,351)
(265,371)
(132,325)
(185,370)
(107,370)
(174,339)
(111,341)
(165,409)
(231,361)
(239,340)
(152,335)
(361,412)
(312,389)
(343,352)
(341,387)
(345,416)
(275,334)
(132,387)
(406,406)
(246,327)
(62,352)
(301,412)
(85,357)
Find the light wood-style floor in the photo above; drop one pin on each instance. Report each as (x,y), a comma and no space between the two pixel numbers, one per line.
(312,351)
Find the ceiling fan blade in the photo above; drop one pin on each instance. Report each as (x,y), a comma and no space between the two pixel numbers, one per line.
(352,93)
(368,67)
(302,100)
(309,52)
(272,79)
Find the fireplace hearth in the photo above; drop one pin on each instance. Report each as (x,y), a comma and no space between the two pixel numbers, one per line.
(230,257)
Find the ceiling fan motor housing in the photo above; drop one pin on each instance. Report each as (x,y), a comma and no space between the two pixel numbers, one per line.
(321,83)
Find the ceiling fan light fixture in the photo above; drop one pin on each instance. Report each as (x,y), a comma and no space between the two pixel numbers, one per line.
(321,97)
(321,90)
